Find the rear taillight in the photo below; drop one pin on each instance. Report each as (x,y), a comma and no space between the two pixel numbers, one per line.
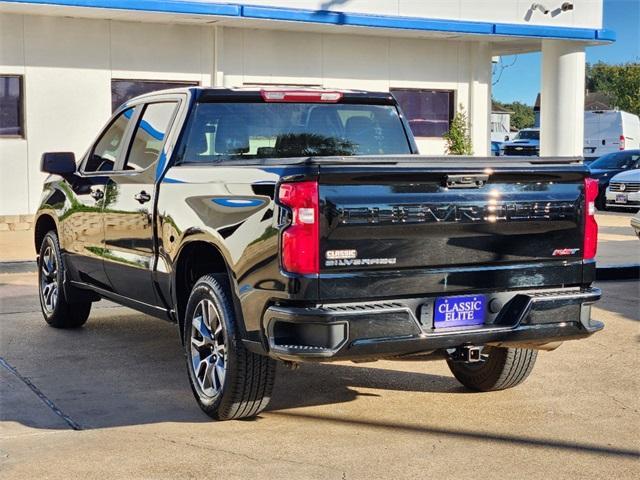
(590,225)
(622,142)
(300,240)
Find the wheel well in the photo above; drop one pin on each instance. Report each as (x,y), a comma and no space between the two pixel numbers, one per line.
(195,260)
(45,224)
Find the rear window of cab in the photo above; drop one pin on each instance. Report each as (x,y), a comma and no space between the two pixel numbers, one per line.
(234,131)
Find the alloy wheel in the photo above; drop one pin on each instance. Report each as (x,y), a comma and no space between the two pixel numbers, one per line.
(49,278)
(208,349)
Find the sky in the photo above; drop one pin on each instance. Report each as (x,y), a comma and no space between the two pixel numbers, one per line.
(521,81)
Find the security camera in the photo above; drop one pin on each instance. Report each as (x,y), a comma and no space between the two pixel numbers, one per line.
(541,7)
(566,6)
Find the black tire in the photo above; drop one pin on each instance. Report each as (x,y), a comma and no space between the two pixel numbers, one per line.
(247,380)
(500,369)
(58,312)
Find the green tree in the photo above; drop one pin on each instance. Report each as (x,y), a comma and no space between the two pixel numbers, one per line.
(620,82)
(458,138)
(522,117)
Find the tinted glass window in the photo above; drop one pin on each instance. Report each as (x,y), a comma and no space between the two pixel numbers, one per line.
(429,112)
(278,130)
(106,151)
(124,90)
(11,105)
(617,160)
(148,139)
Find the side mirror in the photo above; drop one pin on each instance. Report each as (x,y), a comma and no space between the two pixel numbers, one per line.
(59,163)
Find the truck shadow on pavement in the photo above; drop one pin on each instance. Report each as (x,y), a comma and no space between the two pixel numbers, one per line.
(125,368)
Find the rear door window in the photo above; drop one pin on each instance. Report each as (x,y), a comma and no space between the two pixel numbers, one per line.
(148,138)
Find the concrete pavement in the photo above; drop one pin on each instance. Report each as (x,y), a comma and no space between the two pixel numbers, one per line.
(617,242)
(121,380)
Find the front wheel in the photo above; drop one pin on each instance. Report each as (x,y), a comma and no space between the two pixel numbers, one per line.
(56,309)
(499,369)
(228,381)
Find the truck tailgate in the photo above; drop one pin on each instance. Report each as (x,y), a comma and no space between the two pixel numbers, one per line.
(426,228)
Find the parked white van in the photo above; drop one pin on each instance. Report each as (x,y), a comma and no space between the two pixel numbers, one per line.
(607,131)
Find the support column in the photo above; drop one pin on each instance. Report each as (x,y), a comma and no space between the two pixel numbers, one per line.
(480,98)
(562,99)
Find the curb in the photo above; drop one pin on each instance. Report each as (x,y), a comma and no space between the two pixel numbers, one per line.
(630,271)
(25,266)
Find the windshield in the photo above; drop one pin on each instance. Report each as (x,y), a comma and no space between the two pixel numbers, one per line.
(236,131)
(616,160)
(528,135)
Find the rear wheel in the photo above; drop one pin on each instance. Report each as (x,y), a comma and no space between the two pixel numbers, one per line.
(228,381)
(56,309)
(499,369)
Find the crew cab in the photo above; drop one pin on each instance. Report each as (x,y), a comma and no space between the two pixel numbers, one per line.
(279,225)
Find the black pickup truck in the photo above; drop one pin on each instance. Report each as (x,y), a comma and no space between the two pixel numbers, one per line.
(301,225)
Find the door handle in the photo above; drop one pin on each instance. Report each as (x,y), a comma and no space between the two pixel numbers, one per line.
(97,194)
(142,197)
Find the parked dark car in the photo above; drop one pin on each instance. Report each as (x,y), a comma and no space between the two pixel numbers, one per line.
(610,165)
(301,225)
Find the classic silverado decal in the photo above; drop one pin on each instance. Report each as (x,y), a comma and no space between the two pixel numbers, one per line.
(356,262)
(340,254)
(504,212)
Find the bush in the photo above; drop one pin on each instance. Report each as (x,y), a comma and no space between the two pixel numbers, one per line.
(458,138)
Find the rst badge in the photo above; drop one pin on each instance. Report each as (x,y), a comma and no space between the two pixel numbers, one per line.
(563,252)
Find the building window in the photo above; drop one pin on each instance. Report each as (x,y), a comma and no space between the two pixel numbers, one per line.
(429,112)
(124,90)
(11,97)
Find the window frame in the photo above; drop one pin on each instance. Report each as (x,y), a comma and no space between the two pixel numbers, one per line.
(21,102)
(138,105)
(452,104)
(176,83)
(125,139)
(139,114)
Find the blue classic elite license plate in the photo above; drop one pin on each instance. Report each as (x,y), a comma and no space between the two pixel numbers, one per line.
(459,311)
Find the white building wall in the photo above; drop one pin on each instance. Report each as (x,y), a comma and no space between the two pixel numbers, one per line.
(14,187)
(68,65)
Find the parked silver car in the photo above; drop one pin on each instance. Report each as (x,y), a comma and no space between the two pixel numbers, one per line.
(624,190)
